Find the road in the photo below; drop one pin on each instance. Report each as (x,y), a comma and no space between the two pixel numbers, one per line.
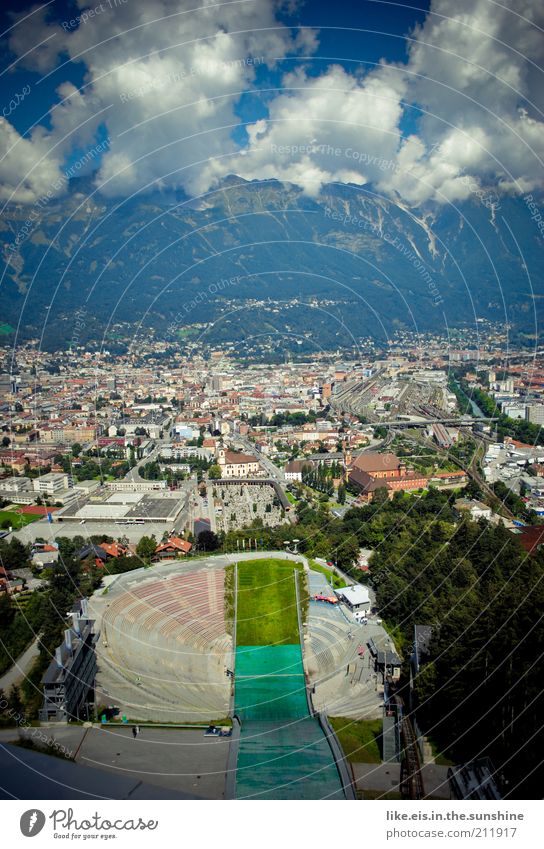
(274,472)
(134,473)
(20,668)
(185,518)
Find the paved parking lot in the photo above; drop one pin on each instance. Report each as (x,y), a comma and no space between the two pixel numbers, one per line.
(178,759)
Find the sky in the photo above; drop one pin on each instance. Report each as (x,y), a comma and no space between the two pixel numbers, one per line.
(425,102)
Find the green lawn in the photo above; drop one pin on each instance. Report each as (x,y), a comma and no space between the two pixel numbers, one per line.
(360,739)
(291,498)
(17,520)
(266,613)
(335,580)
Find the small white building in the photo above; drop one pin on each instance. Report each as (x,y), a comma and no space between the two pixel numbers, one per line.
(355,597)
(86,487)
(476,509)
(293,470)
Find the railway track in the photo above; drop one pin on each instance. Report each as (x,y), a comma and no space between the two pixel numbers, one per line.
(411,780)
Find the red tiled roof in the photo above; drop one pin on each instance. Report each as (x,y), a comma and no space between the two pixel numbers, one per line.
(114,549)
(232,457)
(374,462)
(174,544)
(366,481)
(517,443)
(531,537)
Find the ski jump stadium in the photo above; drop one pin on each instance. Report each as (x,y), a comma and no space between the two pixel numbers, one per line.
(202,641)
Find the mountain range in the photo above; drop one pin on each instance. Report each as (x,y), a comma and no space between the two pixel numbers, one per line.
(256,259)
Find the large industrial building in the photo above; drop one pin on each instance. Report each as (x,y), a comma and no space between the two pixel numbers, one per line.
(128,507)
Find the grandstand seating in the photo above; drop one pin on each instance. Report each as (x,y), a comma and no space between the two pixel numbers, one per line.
(164,646)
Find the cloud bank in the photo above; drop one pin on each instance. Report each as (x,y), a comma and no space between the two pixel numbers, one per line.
(166,84)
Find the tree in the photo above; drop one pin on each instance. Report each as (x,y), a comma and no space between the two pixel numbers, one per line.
(13,555)
(7,613)
(208,541)
(146,548)
(472,490)
(6,441)
(347,553)
(214,472)
(381,495)
(341,494)
(76,449)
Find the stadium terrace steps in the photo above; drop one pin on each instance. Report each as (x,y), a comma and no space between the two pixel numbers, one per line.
(176,627)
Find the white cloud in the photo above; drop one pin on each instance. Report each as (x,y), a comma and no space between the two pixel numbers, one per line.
(331,127)
(169,80)
(28,169)
(471,69)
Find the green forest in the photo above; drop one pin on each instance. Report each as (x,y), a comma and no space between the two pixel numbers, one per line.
(483,596)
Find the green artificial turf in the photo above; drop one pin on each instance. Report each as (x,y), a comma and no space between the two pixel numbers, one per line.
(266,613)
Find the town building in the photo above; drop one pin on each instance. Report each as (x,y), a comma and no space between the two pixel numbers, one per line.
(476,509)
(535,413)
(234,464)
(355,597)
(52,483)
(293,470)
(379,466)
(14,485)
(172,549)
(367,485)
